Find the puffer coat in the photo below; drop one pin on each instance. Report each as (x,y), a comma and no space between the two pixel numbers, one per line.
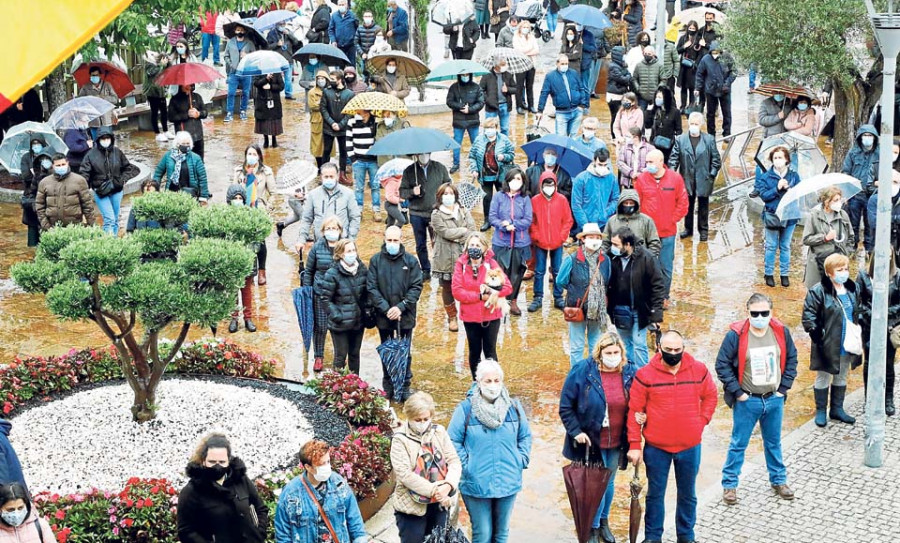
(319,260)
(344,296)
(64,201)
(100,164)
(823,319)
(463,94)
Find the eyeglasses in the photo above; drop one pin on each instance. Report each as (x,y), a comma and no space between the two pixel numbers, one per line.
(760,313)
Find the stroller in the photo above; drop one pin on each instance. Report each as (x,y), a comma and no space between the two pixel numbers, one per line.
(535,12)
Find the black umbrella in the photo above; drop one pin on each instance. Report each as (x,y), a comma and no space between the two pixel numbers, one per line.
(252,33)
(395,359)
(446,534)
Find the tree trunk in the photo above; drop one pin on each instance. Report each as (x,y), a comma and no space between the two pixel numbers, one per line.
(144,407)
(419,42)
(55,87)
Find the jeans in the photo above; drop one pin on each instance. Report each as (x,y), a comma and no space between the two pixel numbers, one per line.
(296,206)
(490,518)
(421,226)
(346,349)
(503,114)
(687,464)
(667,260)
(414,529)
(578,331)
(567,122)
(713,102)
(752,76)
(207,40)
(350,51)
(856,211)
(109,210)
(288,73)
(540,269)
(702,214)
(610,461)
(778,240)
(458,134)
(482,338)
(394,215)
(768,412)
(552,19)
(596,66)
(586,74)
(360,168)
(233,82)
(635,341)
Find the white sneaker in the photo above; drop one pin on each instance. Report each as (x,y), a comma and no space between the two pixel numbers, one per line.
(162,137)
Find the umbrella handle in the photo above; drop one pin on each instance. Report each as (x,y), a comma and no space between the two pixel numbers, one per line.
(637,472)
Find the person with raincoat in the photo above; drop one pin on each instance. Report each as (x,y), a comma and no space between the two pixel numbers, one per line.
(20,521)
(511,216)
(826,231)
(593,407)
(696,157)
(186,111)
(316,122)
(107,169)
(618,83)
(490,157)
(343,292)
(492,437)
(452,224)
(466,100)
(101,88)
(181,169)
(320,259)
(861,162)
(549,231)
(156,94)
(267,107)
(595,192)
(772,185)
(258,181)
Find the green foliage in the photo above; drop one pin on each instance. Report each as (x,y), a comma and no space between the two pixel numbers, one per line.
(156,291)
(377,7)
(56,239)
(40,275)
(208,308)
(107,255)
(242,224)
(156,242)
(168,208)
(70,300)
(216,264)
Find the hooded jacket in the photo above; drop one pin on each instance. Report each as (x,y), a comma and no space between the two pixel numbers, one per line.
(179,106)
(642,225)
(619,81)
(406,446)
(26,165)
(552,219)
(100,164)
(35,529)
(450,234)
(394,281)
(229,513)
(823,319)
(516,209)
(321,204)
(563,181)
(10,468)
(665,200)
(594,198)
(76,140)
(714,77)
(37,172)
(467,289)
(862,163)
(465,94)
(698,167)
(344,296)
(63,201)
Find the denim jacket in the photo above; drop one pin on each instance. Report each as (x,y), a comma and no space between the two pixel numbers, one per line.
(297,517)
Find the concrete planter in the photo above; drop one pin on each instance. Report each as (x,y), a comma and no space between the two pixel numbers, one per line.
(369,507)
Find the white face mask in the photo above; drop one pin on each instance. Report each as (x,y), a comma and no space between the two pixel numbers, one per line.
(388,121)
(592,244)
(611,361)
(332,235)
(601,171)
(323,473)
(694,130)
(448,199)
(349,258)
(491,391)
(515,185)
(419,427)
(836,206)
(15,518)
(367,20)
(589,134)
(504,69)
(548,190)
(779,163)
(391,69)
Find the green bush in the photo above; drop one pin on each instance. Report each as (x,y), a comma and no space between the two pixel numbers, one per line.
(56,239)
(155,290)
(70,300)
(241,224)
(208,308)
(377,7)
(216,263)
(169,208)
(40,275)
(157,242)
(104,256)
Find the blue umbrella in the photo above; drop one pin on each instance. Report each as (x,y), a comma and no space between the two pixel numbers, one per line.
(328,54)
(261,63)
(586,16)
(573,156)
(394,355)
(303,303)
(452,68)
(272,18)
(17,143)
(413,141)
(79,112)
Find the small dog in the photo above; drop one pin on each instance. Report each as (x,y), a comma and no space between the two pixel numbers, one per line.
(494,279)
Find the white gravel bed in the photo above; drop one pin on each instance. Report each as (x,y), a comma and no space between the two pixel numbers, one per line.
(89,440)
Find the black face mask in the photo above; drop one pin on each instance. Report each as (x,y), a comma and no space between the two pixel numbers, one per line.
(628,210)
(475,253)
(214,473)
(349,79)
(672,359)
(334,84)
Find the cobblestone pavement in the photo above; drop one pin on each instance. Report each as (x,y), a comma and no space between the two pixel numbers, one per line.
(838,499)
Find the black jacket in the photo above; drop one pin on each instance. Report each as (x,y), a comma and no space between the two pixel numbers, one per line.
(667,119)
(345,297)
(647,286)
(26,165)
(430,179)
(394,281)
(865,292)
(318,261)
(319,23)
(100,164)
(208,512)
(488,86)
(178,114)
(470,31)
(263,96)
(461,94)
(620,79)
(823,320)
(331,106)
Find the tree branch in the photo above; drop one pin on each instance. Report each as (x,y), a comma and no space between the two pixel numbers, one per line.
(176,346)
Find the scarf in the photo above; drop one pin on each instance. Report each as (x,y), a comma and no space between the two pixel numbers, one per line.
(595,304)
(452,211)
(459,36)
(175,174)
(491,415)
(251,188)
(352,269)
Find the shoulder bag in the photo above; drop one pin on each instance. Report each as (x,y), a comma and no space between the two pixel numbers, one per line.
(771,220)
(662,143)
(576,314)
(312,496)
(853,342)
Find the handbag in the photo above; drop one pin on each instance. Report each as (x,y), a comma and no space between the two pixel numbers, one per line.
(431,466)
(771,220)
(662,143)
(106,188)
(312,496)
(687,63)
(312,35)
(853,342)
(495,20)
(576,314)
(623,317)
(369,320)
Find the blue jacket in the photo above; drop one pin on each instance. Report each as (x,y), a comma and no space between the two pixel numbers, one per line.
(196,172)
(492,460)
(504,147)
(594,199)
(714,76)
(767,186)
(297,517)
(582,405)
(588,48)
(10,468)
(554,87)
(401,25)
(860,163)
(575,274)
(342,28)
(516,210)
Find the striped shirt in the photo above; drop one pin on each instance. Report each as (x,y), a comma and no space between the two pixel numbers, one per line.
(360,138)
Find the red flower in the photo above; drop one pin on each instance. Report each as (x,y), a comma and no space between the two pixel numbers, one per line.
(228,356)
(148,502)
(140,503)
(128,522)
(7,407)
(154,490)
(60,514)
(63,536)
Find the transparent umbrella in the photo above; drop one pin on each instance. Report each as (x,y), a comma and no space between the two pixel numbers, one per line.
(79,112)
(805,195)
(806,157)
(17,142)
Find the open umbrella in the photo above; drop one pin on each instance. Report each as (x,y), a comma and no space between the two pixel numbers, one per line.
(517,62)
(448,71)
(188,73)
(805,195)
(789,90)
(376,102)
(79,112)
(586,16)
(17,142)
(407,64)
(413,141)
(470,194)
(573,156)
(451,12)
(327,54)
(699,15)
(272,18)
(394,355)
(586,483)
(636,512)
(303,304)
(115,75)
(446,534)
(252,33)
(806,157)
(392,168)
(261,63)
(294,175)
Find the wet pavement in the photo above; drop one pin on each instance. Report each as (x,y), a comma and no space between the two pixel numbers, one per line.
(711,284)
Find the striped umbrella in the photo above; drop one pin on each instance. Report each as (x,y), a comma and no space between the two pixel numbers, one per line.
(517,62)
(303,304)
(789,90)
(261,63)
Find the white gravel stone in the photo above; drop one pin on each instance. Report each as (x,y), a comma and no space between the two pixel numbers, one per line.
(89,440)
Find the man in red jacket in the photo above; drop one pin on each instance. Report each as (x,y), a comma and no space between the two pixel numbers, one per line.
(209,37)
(673,398)
(665,200)
(550,226)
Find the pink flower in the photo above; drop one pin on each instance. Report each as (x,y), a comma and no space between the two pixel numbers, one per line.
(113,519)
(115,530)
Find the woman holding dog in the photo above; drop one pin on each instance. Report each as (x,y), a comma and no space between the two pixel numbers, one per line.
(479,303)
(511,217)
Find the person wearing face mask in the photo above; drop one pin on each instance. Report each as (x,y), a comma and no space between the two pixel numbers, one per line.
(237,196)
(316,121)
(283,42)
(187,111)
(618,83)
(41,168)
(715,75)
(463,38)
(466,100)
(498,87)
(320,259)
(391,82)
(156,94)
(380,45)
(398,26)
(298,517)
(318,25)
(352,81)
(548,161)
(219,502)
(360,137)
(709,33)
(335,121)
(388,123)
(394,284)
(772,185)
(826,231)
(181,169)
(862,163)
(688,46)
(803,119)
(635,54)
(589,134)
(79,143)
(593,407)
(490,157)
(671,420)
(267,107)
(63,197)
(696,157)
(549,231)
(365,38)
(665,121)
(180,53)
(493,440)
(419,185)
(503,22)
(422,497)
(772,113)
(343,291)
(757,365)
(633,153)
(20,521)
(29,176)
(258,181)
(570,98)
(648,76)
(866,292)
(629,118)
(342,30)
(452,224)
(525,42)
(327,200)
(872,206)
(827,310)
(595,192)
(98,86)
(629,214)
(511,216)
(107,169)
(237,48)
(573,48)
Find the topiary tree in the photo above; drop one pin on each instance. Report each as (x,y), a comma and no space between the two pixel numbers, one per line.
(136,286)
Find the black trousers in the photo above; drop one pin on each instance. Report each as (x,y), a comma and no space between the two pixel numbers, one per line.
(346,348)
(198,147)
(702,214)
(525,89)
(462,54)
(158,111)
(482,338)
(414,529)
(386,384)
(328,141)
(712,103)
(488,196)
(613,111)
(261,255)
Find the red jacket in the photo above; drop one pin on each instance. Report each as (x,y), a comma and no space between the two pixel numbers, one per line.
(467,289)
(208,22)
(551,219)
(665,201)
(678,406)
(742,329)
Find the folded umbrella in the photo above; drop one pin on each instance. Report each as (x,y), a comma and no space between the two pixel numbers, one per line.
(446,534)
(296,174)
(394,355)
(517,62)
(573,156)
(271,18)
(79,112)
(413,141)
(303,304)
(17,142)
(586,483)
(110,72)
(407,64)
(392,168)
(188,73)
(448,71)
(586,16)
(804,196)
(327,54)
(376,102)
(635,512)
(261,63)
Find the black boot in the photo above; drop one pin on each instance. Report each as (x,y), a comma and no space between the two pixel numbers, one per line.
(889,408)
(686,234)
(606,536)
(233,327)
(248,324)
(274,141)
(785,281)
(213,329)
(279,228)
(265,142)
(837,405)
(770,281)
(821,395)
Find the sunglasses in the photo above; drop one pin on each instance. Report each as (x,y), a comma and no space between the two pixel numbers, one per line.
(760,313)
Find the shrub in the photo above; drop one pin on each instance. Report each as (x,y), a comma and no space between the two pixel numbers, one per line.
(171,209)
(352,398)
(223,357)
(244,225)
(364,459)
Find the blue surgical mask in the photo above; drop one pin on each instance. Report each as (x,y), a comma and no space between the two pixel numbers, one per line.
(694,130)
(95,79)
(615,251)
(778,97)
(760,323)
(490,132)
(61,170)
(465,78)
(868,140)
(349,258)
(46,163)
(652,169)
(392,248)
(550,160)
(329,183)
(181,49)
(332,235)
(448,199)
(313,61)
(802,106)
(37,148)
(841,277)
(659,102)
(252,160)
(342,9)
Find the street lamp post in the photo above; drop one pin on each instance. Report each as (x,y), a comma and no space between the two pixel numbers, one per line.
(661,17)
(887,32)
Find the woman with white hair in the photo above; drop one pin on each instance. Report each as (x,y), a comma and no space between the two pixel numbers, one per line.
(427,470)
(181,169)
(493,440)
